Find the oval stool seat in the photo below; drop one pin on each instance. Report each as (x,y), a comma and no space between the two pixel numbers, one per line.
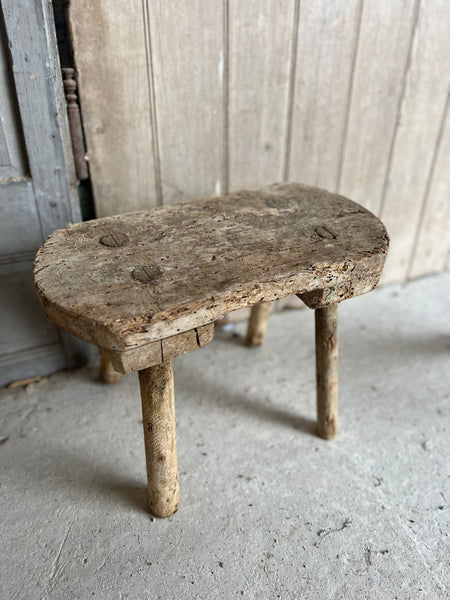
(147,286)
(123,281)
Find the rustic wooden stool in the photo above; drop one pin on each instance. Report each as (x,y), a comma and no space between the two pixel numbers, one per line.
(147,286)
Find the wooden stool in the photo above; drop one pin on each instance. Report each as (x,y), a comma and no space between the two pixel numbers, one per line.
(147,286)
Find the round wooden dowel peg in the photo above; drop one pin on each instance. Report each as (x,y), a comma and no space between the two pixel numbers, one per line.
(257,325)
(107,373)
(327,370)
(158,412)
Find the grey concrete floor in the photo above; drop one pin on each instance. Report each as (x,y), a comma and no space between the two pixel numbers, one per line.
(268,510)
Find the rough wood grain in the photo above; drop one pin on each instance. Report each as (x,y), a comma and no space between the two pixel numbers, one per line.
(418,127)
(327,370)
(319,298)
(154,353)
(260,38)
(180,267)
(158,417)
(326,46)
(257,325)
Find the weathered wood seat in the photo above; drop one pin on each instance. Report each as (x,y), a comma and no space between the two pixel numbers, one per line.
(148,286)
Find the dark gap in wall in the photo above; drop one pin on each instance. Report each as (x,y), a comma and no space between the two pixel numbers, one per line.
(60,7)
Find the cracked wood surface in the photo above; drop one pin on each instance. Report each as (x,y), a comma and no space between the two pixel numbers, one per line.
(155,353)
(122,282)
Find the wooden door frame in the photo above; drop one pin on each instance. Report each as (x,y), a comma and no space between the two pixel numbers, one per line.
(35,70)
(40,79)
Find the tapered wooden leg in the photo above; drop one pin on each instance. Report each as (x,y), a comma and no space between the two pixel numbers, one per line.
(257,324)
(107,372)
(327,370)
(158,410)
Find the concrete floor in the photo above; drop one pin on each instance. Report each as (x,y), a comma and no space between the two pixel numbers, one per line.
(268,510)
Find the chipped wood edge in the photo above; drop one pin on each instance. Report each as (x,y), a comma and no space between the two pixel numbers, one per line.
(334,294)
(155,353)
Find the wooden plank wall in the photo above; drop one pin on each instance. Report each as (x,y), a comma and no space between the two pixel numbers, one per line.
(194,97)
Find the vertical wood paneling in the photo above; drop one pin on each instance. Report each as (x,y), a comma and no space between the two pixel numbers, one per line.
(380,64)
(433,240)
(326,45)
(183,99)
(113,69)
(260,39)
(188,66)
(417,134)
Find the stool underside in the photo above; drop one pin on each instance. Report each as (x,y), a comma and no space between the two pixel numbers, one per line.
(125,281)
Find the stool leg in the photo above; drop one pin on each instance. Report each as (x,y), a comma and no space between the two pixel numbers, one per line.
(327,370)
(107,372)
(257,324)
(158,411)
